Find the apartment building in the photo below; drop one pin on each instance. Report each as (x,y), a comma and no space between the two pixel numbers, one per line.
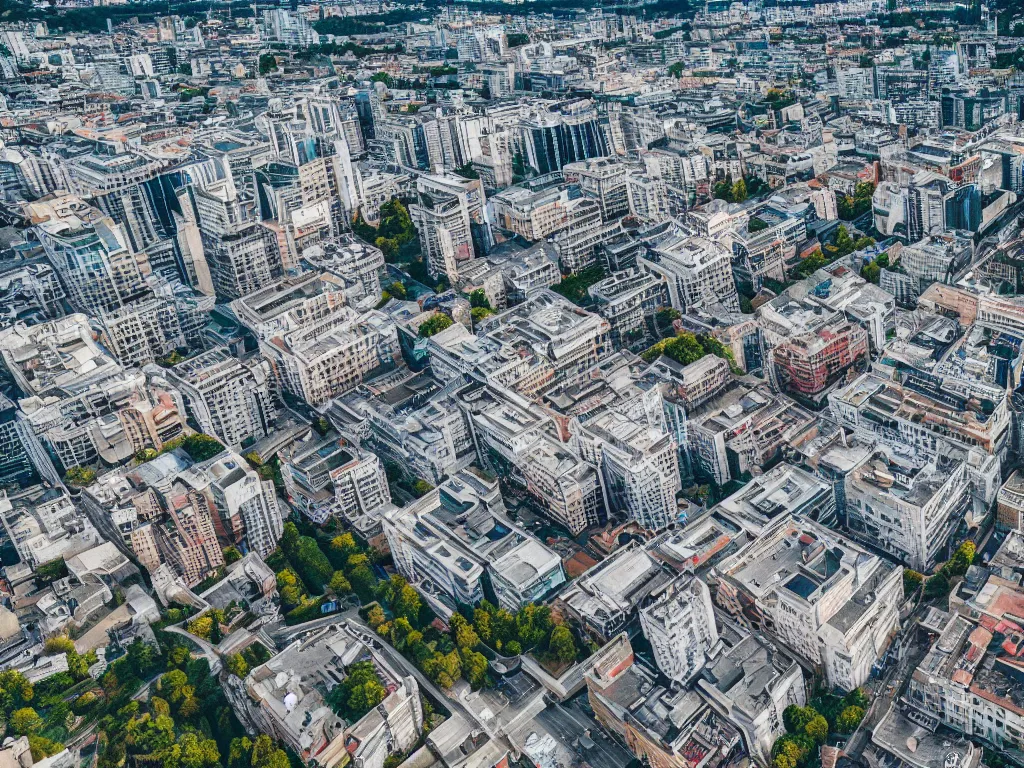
(917,417)
(448,541)
(233,400)
(285,698)
(569,338)
(664,729)
(1010,503)
(628,301)
(783,488)
(608,597)
(638,464)
(603,180)
(185,539)
(832,602)
(89,251)
(414,423)
(155,324)
(532,214)
(751,683)
(246,507)
(568,489)
(318,346)
(808,347)
(967,681)
(742,428)
(697,270)
(43,524)
(911,512)
(680,626)
(576,243)
(326,478)
(240,254)
(448,212)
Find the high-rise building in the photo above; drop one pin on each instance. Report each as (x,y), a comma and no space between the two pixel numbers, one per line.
(230,399)
(680,626)
(245,506)
(241,254)
(89,252)
(698,270)
(449,215)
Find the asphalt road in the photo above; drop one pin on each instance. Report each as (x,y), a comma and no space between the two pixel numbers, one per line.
(568,723)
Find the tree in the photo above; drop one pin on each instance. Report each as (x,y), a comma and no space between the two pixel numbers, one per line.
(435,324)
(478,298)
(474,667)
(375,616)
(267,63)
(937,586)
(962,559)
(421,488)
(25,721)
(59,644)
(408,604)
(796,718)
(857,698)
(231,555)
(358,693)
(466,637)
(817,729)
(237,665)
(201,447)
(80,477)
(340,584)
(363,581)
(289,588)
(739,191)
(15,691)
(562,644)
(849,719)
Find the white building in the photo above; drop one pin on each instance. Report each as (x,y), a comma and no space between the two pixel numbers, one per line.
(680,626)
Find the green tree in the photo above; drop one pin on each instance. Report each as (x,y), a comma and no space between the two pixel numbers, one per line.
(267,63)
(358,693)
(58,644)
(237,665)
(340,585)
(739,191)
(80,477)
(478,298)
(231,555)
(937,586)
(25,721)
(796,718)
(435,324)
(562,644)
(849,719)
(817,729)
(474,667)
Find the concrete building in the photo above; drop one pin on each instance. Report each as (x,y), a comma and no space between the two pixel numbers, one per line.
(638,464)
(318,347)
(664,729)
(90,252)
(911,512)
(231,399)
(628,301)
(285,698)
(245,506)
(698,271)
(326,478)
(608,597)
(751,683)
(448,540)
(680,626)
(835,605)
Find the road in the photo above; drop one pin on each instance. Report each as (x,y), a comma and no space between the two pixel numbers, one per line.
(567,722)
(892,686)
